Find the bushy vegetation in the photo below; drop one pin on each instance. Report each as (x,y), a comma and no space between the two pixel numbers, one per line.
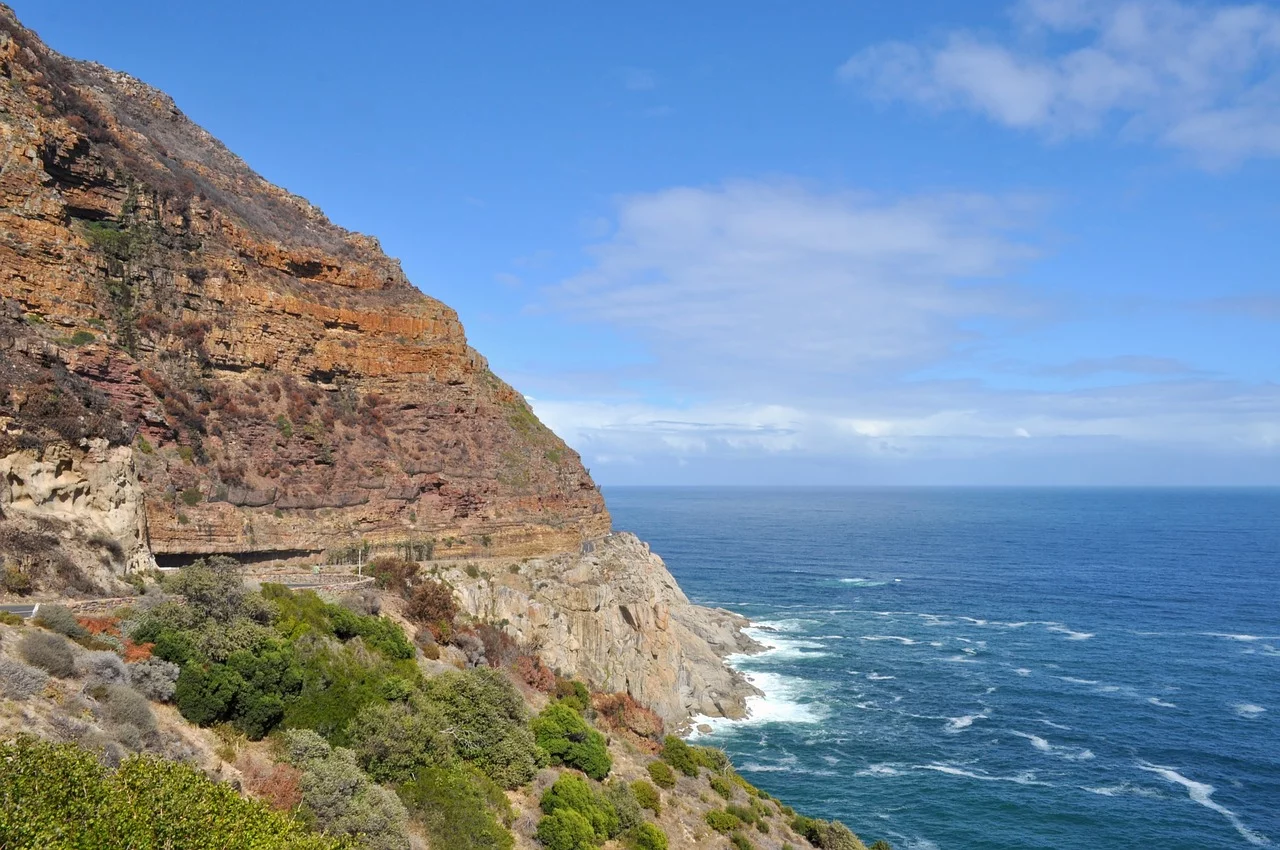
(341,799)
(57,795)
(679,755)
(19,681)
(647,796)
(58,618)
(574,793)
(646,836)
(661,775)
(457,807)
(489,724)
(561,731)
(432,605)
(566,829)
(828,835)
(50,652)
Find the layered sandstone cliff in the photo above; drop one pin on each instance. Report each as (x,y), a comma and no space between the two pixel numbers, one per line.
(287,391)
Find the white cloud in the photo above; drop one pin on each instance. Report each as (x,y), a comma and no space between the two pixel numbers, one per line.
(786,290)
(1204,79)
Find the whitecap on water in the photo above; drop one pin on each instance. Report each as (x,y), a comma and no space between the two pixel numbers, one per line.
(781,702)
(1023,671)
(1026,777)
(905,641)
(863,582)
(1161,703)
(1248,710)
(1202,793)
(876,677)
(1070,633)
(1059,750)
(959,724)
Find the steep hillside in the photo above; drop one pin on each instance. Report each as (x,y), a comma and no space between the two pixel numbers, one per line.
(286,390)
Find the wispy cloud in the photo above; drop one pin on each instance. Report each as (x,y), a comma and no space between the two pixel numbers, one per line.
(785,290)
(1131,364)
(1201,78)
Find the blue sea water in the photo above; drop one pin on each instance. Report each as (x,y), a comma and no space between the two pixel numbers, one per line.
(998,668)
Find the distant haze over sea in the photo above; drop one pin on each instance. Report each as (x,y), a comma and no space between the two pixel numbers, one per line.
(1030,668)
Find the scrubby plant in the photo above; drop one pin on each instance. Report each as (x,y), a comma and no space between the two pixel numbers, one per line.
(722,821)
(15,581)
(459,807)
(573,693)
(721,786)
(489,722)
(573,792)
(124,706)
(741,842)
(881,844)
(679,755)
(8,618)
(50,652)
(624,802)
(394,574)
(214,589)
(19,681)
(647,836)
(154,678)
(561,731)
(58,618)
(647,796)
(566,829)
(432,605)
(342,799)
(102,667)
(394,742)
(57,795)
(660,773)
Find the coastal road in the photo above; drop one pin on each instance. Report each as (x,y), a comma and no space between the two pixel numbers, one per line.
(23,611)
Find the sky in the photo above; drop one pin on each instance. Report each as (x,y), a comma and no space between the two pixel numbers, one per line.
(865,243)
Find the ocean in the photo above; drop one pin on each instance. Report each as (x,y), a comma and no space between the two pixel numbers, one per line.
(998,668)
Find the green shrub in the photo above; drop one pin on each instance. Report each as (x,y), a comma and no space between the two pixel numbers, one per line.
(8,618)
(646,836)
(394,742)
(624,802)
(566,829)
(126,707)
(456,805)
(741,842)
(679,755)
(573,792)
(17,582)
(490,724)
(661,775)
(82,338)
(342,799)
(713,759)
(568,739)
(722,821)
(154,678)
(214,590)
(57,795)
(573,693)
(51,653)
(285,426)
(647,796)
(338,681)
(58,618)
(722,787)
(881,844)
(192,497)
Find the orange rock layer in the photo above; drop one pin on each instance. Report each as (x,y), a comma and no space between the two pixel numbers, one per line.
(285,387)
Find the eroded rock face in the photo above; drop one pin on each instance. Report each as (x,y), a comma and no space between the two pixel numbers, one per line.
(615,617)
(94,488)
(287,390)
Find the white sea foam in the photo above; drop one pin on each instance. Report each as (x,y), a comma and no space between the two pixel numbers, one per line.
(876,677)
(905,641)
(1059,750)
(963,659)
(782,702)
(1248,710)
(879,770)
(1023,671)
(1026,777)
(1202,793)
(778,647)
(955,725)
(1244,638)
(863,582)
(1073,680)
(1161,703)
(1070,633)
(1053,725)
(1122,788)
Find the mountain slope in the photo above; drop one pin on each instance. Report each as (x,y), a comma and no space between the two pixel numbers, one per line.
(288,391)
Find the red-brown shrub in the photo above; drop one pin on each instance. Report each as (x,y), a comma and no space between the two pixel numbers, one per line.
(277,785)
(432,605)
(535,674)
(499,648)
(395,574)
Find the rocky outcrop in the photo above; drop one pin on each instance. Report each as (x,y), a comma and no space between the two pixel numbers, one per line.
(287,390)
(613,615)
(93,489)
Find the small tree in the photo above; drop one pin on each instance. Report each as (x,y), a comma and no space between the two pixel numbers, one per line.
(568,739)
(432,605)
(566,829)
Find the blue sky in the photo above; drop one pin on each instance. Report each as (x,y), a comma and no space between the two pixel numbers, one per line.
(818,242)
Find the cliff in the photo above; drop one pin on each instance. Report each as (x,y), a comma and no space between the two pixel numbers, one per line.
(286,390)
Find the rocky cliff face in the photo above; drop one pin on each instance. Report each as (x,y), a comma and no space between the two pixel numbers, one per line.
(614,616)
(284,387)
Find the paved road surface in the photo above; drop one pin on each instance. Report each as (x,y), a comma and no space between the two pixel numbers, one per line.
(23,611)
